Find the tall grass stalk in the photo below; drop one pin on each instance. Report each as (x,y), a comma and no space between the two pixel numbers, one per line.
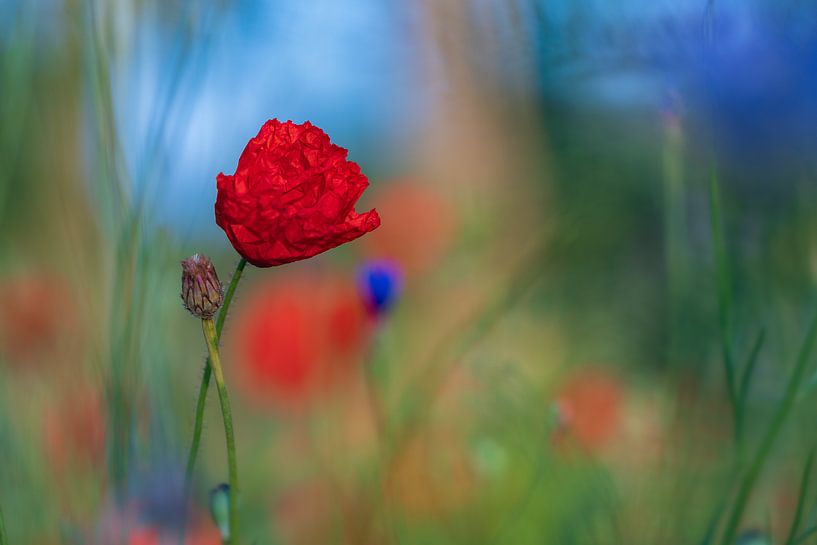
(724,301)
(676,229)
(380,421)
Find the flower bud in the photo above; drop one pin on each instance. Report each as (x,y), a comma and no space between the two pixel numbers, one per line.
(220,509)
(202,292)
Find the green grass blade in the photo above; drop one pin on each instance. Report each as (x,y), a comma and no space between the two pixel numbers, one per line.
(775,426)
(748,373)
(801,500)
(805,535)
(711,529)
(3,537)
(724,297)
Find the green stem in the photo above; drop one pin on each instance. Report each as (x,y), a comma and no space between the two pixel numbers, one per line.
(376,407)
(211,337)
(3,537)
(228,296)
(380,420)
(205,384)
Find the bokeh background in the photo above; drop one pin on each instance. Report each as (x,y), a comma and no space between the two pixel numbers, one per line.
(599,221)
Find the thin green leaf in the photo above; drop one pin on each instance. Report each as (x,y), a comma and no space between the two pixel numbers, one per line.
(709,536)
(748,373)
(3,538)
(801,500)
(805,535)
(775,426)
(724,296)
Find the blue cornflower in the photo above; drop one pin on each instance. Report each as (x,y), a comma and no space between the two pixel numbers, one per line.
(380,283)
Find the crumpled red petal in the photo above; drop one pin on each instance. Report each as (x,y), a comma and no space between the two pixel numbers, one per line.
(292,196)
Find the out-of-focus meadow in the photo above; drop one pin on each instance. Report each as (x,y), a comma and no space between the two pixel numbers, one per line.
(602,219)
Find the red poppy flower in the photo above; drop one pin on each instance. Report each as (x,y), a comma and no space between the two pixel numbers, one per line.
(292,196)
(296,336)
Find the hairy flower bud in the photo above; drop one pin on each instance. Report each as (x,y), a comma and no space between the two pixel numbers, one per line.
(202,292)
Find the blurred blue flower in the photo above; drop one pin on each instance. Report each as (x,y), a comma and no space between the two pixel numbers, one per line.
(745,71)
(380,283)
(750,77)
(158,491)
(753,537)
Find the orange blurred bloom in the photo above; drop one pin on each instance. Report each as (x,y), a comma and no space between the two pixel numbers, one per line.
(296,336)
(417,230)
(590,407)
(37,318)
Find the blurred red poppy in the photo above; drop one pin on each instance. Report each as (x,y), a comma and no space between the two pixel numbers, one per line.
(144,536)
(590,406)
(128,524)
(74,431)
(296,336)
(419,230)
(205,535)
(36,319)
